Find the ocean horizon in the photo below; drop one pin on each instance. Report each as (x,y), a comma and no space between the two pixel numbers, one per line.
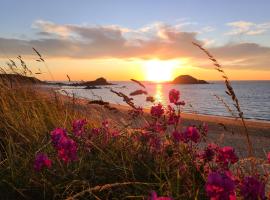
(254,96)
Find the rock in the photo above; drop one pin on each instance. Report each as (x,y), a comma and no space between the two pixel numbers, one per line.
(99,81)
(187,79)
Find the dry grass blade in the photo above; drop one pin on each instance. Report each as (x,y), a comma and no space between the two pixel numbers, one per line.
(138,92)
(231,93)
(138,82)
(150,99)
(40,56)
(68,78)
(126,99)
(104,187)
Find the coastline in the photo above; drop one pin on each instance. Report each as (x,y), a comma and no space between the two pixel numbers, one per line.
(222,130)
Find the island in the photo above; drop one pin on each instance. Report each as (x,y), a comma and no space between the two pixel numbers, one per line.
(89,84)
(187,79)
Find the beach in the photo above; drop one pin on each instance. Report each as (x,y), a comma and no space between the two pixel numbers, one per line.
(225,131)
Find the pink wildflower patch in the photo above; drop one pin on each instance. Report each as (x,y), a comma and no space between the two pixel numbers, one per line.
(226,156)
(220,186)
(157,110)
(56,135)
(209,152)
(79,126)
(252,188)
(67,151)
(191,134)
(177,136)
(154,196)
(65,146)
(174,96)
(42,161)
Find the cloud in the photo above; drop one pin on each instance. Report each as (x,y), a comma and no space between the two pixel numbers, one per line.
(247,28)
(158,40)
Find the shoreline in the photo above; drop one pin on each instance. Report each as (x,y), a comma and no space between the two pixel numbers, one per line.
(224,131)
(188,116)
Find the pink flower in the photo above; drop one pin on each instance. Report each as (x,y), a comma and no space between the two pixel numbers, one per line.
(67,150)
(56,135)
(220,186)
(155,197)
(78,126)
(41,161)
(174,96)
(191,134)
(66,147)
(268,157)
(177,136)
(252,188)
(226,156)
(173,118)
(105,124)
(157,110)
(209,152)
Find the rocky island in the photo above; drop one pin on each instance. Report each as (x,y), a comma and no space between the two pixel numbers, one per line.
(187,79)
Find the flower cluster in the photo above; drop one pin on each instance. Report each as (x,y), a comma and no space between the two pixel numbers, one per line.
(226,156)
(65,146)
(157,110)
(42,161)
(191,134)
(252,188)
(163,139)
(79,127)
(220,186)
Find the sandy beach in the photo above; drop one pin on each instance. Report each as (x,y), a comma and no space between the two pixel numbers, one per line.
(222,130)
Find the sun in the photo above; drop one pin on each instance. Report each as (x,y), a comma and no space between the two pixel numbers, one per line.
(159,70)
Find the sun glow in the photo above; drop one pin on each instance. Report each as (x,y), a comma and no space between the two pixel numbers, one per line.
(160,71)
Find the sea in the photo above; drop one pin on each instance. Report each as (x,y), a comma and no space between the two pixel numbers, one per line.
(207,99)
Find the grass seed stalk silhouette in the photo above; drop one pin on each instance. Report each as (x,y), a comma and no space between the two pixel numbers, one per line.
(231,93)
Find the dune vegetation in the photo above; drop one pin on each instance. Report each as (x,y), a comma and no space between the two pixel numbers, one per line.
(51,148)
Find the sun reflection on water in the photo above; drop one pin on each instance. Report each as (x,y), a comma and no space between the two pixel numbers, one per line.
(159,94)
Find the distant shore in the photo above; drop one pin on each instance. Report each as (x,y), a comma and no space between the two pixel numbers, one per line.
(224,130)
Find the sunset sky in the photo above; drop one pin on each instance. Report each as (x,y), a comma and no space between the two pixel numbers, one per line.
(145,40)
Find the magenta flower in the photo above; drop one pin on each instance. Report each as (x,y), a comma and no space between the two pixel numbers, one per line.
(154,196)
(157,110)
(173,118)
(56,135)
(220,186)
(174,96)
(66,147)
(67,150)
(105,124)
(226,156)
(177,136)
(209,152)
(252,188)
(78,126)
(42,161)
(191,134)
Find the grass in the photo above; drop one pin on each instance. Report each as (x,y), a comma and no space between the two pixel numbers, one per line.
(122,161)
